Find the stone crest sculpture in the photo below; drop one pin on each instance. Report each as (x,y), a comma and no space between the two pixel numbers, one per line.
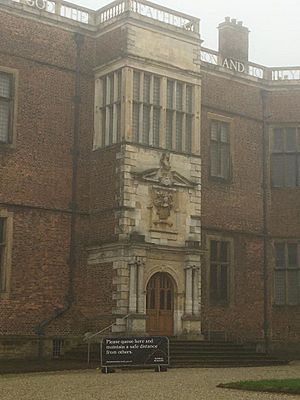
(164,182)
(163,202)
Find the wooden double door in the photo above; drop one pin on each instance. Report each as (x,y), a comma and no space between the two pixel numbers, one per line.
(160,305)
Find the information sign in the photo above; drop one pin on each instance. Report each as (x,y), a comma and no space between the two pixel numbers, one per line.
(135,351)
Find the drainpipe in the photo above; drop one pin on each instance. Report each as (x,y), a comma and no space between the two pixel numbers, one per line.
(266,326)
(40,328)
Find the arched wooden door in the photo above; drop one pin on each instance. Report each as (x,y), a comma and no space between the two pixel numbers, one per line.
(160,305)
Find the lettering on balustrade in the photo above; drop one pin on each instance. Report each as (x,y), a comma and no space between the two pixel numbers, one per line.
(135,351)
(162,16)
(286,74)
(40,4)
(63,10)
(232,64)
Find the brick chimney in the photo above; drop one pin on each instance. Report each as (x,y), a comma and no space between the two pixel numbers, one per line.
(233,40)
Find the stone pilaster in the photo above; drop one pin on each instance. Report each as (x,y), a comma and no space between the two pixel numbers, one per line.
(191,321)
(196,290)
(141,295)
(137,318)
(133,287)
(188,290)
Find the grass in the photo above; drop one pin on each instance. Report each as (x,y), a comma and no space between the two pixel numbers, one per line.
(290,386)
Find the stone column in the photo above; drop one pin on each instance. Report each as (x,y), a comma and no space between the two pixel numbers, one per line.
(133,287)
(196,305)
(140,285)
(191,321)
(188,290)
(137,318)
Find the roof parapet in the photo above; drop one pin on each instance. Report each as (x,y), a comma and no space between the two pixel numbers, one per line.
(248,69)
(109,13)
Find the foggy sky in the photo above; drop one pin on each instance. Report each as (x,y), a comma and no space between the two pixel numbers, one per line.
(274,24)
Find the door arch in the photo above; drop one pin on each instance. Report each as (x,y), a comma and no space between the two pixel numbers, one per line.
(160,305)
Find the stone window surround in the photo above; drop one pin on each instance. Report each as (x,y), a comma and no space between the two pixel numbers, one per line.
(15,82)
(228,120)
(230,240)
(127,67)
(7,260)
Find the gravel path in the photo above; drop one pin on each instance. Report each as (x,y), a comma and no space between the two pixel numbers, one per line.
(176,384)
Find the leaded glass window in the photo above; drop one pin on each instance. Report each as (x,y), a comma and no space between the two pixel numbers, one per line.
(285,157)
(6,107)
(287,273)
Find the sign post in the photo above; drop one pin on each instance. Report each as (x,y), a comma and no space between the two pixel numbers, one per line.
(135,352)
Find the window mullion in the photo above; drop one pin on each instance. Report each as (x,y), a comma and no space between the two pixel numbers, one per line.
(151,110)
(107,109)
(115,108)
(98,142)
(184,110)
(163,108)
(141,130)
(219,151)
(286,265)
(174,116)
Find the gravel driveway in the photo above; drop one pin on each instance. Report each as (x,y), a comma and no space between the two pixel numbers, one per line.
(185,384)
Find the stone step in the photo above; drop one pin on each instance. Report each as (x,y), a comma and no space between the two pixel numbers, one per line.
(188,354)
(217,364)
(207,344)
(215,355)
(209,349)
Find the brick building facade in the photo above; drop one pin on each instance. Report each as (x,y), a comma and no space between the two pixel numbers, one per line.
(146,181)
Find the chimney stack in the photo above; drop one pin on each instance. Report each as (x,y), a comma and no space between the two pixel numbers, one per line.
(233,40)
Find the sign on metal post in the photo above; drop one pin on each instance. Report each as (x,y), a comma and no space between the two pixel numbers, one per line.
(135,351)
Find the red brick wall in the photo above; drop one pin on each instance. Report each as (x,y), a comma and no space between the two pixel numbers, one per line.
(235,209)
(103,195)
(231,96)
(39,270)
(284,212)
(283,108)
(243,316)
(236,204)
(36,175)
